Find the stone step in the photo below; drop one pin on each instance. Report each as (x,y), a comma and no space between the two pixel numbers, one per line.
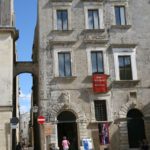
(124,138)
(124,132)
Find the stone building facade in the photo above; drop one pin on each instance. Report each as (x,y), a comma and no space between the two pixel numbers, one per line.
(24,128)
(73,40)
(8,36)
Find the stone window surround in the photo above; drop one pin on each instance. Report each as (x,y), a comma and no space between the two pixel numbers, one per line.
(61,6)
(107,98)
(125,5)
(97,6)
(55,61)
(122,52)
(105,59)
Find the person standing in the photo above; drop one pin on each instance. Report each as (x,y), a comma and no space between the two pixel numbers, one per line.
(18,147)
(65,143)
(145,145)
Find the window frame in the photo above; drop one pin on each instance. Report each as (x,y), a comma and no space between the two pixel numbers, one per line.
(124,67)
(100,15)
(93,23)
(105,59)
(63,6)
(56,61)
(125,52)
(62,21)
(120,18)
(101,101)
(64,64)
(97,61)
(107,98)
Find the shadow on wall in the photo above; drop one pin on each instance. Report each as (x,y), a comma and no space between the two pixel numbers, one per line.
(7,130)
(146,113)
(114,137)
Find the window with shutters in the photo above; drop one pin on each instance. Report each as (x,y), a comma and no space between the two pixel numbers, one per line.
(120,16)
(93,19)
(64,64)
(97,62)
(62,20)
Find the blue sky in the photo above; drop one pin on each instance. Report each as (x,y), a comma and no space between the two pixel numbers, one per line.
(25,17)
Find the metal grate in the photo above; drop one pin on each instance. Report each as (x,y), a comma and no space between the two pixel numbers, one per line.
(100,110)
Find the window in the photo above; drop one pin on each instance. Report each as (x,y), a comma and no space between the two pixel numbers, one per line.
(125,70)
(120,15)
(125,63)
(97,62)
(62,20)
(93,19)
(100,110)
(64,62)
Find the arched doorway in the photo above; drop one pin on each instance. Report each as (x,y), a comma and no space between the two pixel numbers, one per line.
(67,126)
(136,129)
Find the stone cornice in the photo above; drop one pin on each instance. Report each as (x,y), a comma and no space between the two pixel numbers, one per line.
(12,30)
(6,108)
(62,42)
(123,45)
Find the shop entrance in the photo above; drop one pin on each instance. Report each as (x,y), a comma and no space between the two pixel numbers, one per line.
(67,126)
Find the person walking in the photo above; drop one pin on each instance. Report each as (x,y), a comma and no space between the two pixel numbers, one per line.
(18,147)
(144,144)
(65,143)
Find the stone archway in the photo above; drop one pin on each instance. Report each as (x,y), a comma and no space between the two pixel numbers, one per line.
(122,115)
(136,128)
(54,109)
(126,107)
(67,126)
(27,68)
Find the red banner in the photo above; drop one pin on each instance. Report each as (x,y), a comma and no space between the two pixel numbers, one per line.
(100,83)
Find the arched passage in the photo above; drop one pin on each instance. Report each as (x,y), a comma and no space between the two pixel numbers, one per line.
(67,126)
(33,126)
(135,125)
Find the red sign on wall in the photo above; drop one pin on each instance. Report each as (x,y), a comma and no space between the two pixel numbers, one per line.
(41,119)
(100,83)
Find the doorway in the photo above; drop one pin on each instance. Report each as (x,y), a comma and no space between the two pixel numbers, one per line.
(136,129)
(67,126)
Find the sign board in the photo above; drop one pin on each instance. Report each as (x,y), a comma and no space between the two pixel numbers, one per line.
(100,83)
(41,119)
(35,109)
(47,129)
(13,126)
(14,120)
(87,144)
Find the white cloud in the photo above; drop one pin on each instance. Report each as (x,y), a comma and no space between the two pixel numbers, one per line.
(24,109)
(23,96)
(24,102)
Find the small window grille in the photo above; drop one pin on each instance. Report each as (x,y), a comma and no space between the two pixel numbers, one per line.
(100,110)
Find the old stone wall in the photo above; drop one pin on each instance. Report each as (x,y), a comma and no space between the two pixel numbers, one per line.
(135,35)
(6,82)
